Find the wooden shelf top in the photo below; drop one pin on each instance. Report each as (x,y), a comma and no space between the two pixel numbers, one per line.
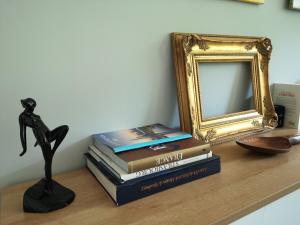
(247,182)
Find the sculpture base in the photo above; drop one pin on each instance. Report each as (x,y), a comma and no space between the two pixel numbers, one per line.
(37,200)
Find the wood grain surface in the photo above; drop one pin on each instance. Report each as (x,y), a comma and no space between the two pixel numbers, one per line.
(247,182)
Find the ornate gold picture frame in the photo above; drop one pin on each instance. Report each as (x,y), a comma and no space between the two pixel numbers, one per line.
(253,1)
(189,51)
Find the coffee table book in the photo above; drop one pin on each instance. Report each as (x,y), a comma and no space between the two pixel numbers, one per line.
(123,176)
(149,157)
(122,193)
(139,137)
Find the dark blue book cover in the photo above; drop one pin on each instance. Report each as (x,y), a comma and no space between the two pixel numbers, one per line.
(137,188)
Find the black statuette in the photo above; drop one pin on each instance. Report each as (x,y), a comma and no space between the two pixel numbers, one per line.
(46,195)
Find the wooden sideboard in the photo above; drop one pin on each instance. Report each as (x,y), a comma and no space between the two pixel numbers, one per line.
(247,182)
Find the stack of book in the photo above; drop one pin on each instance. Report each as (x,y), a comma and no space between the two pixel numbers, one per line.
(134,163)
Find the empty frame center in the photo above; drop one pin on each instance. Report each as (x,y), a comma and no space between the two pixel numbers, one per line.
(225,87)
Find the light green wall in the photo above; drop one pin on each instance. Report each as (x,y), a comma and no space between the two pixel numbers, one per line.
(105,65)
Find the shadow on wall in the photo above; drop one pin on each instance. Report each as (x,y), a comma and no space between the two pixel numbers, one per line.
(61,162)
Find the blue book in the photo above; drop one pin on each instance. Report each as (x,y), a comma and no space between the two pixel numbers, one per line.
(122,193)
(139,137)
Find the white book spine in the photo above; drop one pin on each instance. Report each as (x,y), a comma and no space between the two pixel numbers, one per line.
(123,175)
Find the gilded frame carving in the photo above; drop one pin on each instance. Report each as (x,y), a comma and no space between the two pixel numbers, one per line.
(253,1)
(188,51)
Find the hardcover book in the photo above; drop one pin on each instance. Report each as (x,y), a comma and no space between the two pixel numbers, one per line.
(123,176)
(148,157)
(129,139)
(288,95)
(122,193)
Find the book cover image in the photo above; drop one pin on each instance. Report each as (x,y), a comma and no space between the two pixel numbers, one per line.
(140,137)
